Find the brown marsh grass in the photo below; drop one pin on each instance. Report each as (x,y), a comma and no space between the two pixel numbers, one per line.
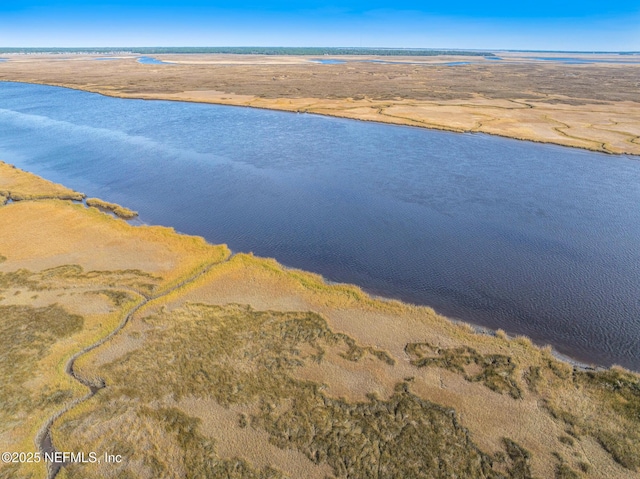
(239,356)
(19,185)
(119,211)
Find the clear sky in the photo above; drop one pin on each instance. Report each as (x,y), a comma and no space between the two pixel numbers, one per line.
(535,24)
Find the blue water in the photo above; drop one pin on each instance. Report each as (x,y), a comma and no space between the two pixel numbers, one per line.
(328,61)
(390,62)
(535,239)
(579,60)
(152,61)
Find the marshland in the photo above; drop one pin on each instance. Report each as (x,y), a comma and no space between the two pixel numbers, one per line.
(207,360)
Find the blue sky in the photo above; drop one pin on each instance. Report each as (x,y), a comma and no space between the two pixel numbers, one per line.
(541,24)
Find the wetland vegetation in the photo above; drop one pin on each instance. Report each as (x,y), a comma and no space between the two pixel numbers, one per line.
(235,367)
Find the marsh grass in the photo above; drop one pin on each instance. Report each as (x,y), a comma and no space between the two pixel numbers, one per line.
(73,275)
(35,343)
(563,471)
(603,404)
(19,185)
(120,211)
(496,371)
(118,298)
(21,278)
(618,393)
(26,334)
(239,356)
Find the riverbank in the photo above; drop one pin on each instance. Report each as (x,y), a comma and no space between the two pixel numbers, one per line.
(186,367)
(590,106)
(528,202)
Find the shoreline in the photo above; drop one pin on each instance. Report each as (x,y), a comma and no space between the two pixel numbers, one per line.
(523,100)
(476,328)
(521,385)
(381,120)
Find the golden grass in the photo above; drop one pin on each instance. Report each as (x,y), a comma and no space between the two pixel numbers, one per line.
(492,366)
(38,342)
(26,335)
(19,185)
(54,233)
(119,211)
(68,276)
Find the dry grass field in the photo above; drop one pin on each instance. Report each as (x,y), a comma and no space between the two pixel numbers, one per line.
(593,106)
(191,363)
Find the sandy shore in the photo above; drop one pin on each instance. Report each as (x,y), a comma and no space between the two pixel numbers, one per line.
(593,106)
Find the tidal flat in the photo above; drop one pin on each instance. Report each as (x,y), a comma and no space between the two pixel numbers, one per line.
(234,366)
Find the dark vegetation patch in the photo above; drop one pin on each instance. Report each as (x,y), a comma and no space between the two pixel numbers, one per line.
(533,378)
(496,370)
(21,278)
(615,423)
(620,392)
(564,471)
(118,298)
(242,357)
(518,460)
(73,275)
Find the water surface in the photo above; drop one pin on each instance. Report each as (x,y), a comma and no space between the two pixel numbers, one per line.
(328,61)
(579,60)
(152,61)
(535,239)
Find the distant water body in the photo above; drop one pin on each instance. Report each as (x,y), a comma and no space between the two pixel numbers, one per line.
(535,239)
(152,61)
(328,61)
(587,59)
(331,61)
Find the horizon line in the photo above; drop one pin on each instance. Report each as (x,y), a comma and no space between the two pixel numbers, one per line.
(131,47)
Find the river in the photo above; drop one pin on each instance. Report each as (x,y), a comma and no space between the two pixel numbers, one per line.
(535,239)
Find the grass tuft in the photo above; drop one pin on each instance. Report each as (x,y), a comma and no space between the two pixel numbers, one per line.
(120,211)
(496,370)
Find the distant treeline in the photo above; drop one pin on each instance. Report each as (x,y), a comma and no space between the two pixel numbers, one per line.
(256,51)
